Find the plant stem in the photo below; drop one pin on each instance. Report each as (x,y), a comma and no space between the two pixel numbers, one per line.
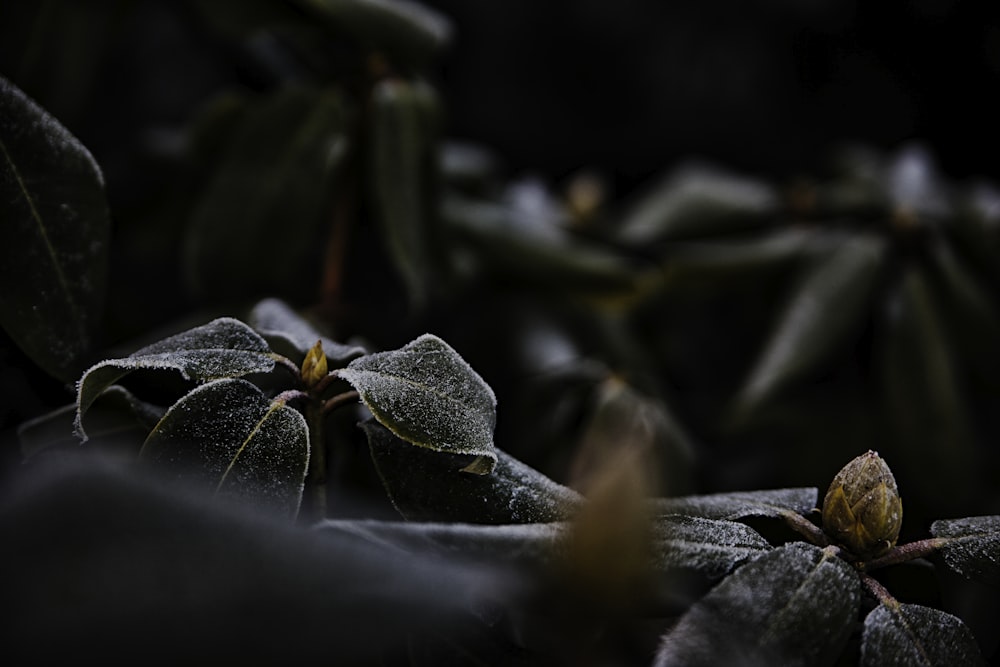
(338,400)
(282,360)
(805,528)
(907,552)
(879,591)
(317,459)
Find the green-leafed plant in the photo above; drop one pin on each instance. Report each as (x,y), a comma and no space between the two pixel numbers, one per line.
(235,483)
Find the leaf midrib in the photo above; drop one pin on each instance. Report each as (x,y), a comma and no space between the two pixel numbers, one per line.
(43,233)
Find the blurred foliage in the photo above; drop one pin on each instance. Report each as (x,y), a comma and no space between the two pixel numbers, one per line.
(291,163)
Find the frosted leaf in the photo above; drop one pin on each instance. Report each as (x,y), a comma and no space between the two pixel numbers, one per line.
(117,416)
(794,605)
(426,394)
(739,505)
(228,436)
(973,548)
(709,546)
(54,237)
(427,485)
(223,348)
(911,634)
(291,335)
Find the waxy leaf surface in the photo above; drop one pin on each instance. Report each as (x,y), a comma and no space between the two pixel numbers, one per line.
(223,348)
(911,634)
(429,396)
(709,546)
(741,504)
(228,436)
(794,605)
(973,548)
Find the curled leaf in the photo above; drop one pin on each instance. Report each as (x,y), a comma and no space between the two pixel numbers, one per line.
(223,348)
(228,436)
(428,485)
(426,394)
(292,335)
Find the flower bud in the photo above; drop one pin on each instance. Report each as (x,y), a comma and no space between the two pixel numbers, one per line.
(314,366)
(862,510)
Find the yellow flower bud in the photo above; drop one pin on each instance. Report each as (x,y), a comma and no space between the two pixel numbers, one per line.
(862,510)
(314,367)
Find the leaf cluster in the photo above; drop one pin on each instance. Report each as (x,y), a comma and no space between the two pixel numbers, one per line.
(269,287)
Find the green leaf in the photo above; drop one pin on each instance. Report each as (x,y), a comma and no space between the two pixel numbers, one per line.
(911,634)
(826,308)
(925,405)
(289,334)
(268,204)
(426,485)
(698,200)
(740,505)
(228,436)
(403,155)
(223,348)
(708,546)
(54,236)
(690,264)
(536,255)
(794,605)
(407,30)
(117,417)
(973,546)
(426,394)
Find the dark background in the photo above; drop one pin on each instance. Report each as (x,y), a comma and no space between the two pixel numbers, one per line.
(627,88)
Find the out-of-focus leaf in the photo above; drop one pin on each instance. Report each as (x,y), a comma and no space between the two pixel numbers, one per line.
(622,419)
(914,187)
(826,308)
(289,334)
(468,167)
(534,256)
(911,634)
(411,32)
(971,313)
(794,605)
(529,543)
(105,562)
(698,201)
(692,263)
(228,436)
(116,415)
(925,406)
(427,485)
(223,348)
(403,153)
(973,547)
(709,546)
(742,504)
(266,207)
(426,394)
(55,232)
